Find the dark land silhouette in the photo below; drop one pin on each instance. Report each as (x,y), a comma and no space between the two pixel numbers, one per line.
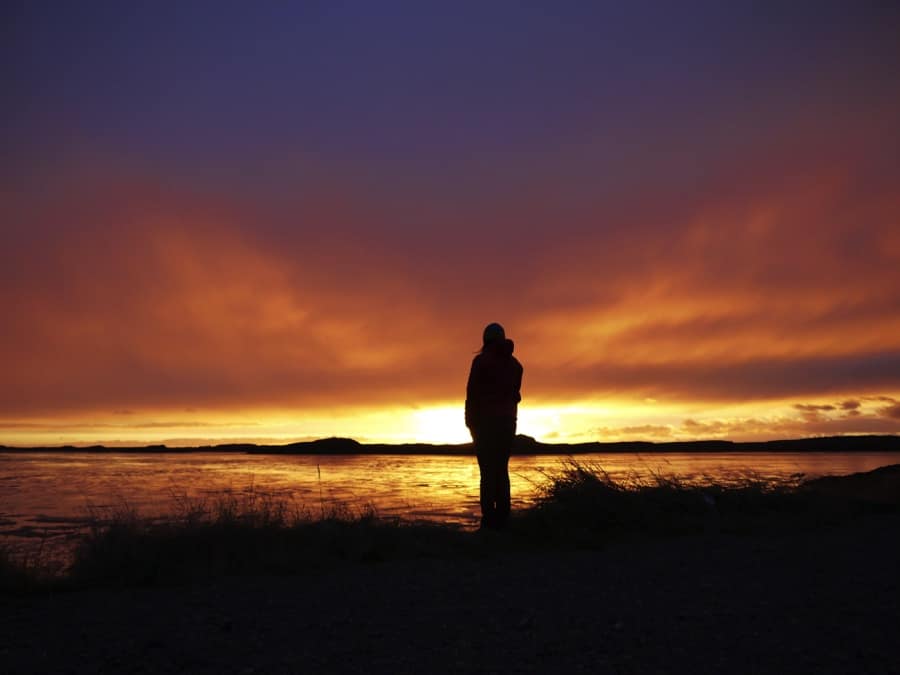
(522,445)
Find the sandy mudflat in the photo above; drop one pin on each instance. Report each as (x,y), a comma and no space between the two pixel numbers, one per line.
(824,602)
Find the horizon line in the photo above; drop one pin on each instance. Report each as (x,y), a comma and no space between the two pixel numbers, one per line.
(521,439)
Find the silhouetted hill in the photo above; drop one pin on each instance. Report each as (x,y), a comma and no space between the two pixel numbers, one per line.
(881,485)
(524,445)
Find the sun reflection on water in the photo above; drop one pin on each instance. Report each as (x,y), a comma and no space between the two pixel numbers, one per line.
(48,497)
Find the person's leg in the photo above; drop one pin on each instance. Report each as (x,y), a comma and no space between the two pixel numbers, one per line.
(488,480)
(488,515)
(501,489)
(506,436)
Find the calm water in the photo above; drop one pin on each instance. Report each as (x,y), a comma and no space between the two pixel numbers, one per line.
(49,496)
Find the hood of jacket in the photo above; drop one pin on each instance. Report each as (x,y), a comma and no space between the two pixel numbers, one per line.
(503,347)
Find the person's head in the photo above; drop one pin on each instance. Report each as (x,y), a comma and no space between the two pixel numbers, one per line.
(493,332)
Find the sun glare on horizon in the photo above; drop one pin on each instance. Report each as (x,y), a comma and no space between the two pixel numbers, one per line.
(444,423)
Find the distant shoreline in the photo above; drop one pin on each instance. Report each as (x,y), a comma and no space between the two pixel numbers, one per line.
(524,445)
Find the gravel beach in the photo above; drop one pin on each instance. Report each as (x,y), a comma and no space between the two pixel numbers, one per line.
(823,601)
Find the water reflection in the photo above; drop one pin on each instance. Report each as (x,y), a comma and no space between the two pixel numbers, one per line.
(50,495)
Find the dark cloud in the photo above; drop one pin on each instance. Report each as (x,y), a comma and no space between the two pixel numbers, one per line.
(811,420)
(892,411)
(712,428)
(717,428)
(636,432)
(812,413)
(787,427)
(720,380)
(104,426)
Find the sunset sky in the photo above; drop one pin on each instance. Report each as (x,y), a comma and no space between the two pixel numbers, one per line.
(279,221)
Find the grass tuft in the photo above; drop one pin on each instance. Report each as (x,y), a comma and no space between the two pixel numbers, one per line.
(583,505)
(248,533)
(27,570)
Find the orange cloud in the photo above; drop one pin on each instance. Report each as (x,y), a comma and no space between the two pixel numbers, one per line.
(778,280)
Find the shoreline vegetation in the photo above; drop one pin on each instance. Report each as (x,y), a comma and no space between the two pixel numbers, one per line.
(579,508)
(524,445)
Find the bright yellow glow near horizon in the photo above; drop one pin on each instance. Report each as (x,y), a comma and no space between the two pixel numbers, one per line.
(570,422)
(439,423)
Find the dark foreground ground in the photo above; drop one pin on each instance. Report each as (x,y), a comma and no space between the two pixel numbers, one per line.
(823,601)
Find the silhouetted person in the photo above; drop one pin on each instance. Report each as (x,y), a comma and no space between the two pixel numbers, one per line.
(492,397)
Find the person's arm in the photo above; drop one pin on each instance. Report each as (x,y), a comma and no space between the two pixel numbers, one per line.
(519,372)
(471,394)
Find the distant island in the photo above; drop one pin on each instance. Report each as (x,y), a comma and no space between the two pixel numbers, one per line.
(524,445)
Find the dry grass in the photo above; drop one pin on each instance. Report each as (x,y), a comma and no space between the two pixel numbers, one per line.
(245,533)
(583,505)
(29,568)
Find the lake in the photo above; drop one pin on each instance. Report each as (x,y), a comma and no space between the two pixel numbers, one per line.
(49,497)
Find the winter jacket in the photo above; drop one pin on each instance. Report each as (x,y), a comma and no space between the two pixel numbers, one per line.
(495,381)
